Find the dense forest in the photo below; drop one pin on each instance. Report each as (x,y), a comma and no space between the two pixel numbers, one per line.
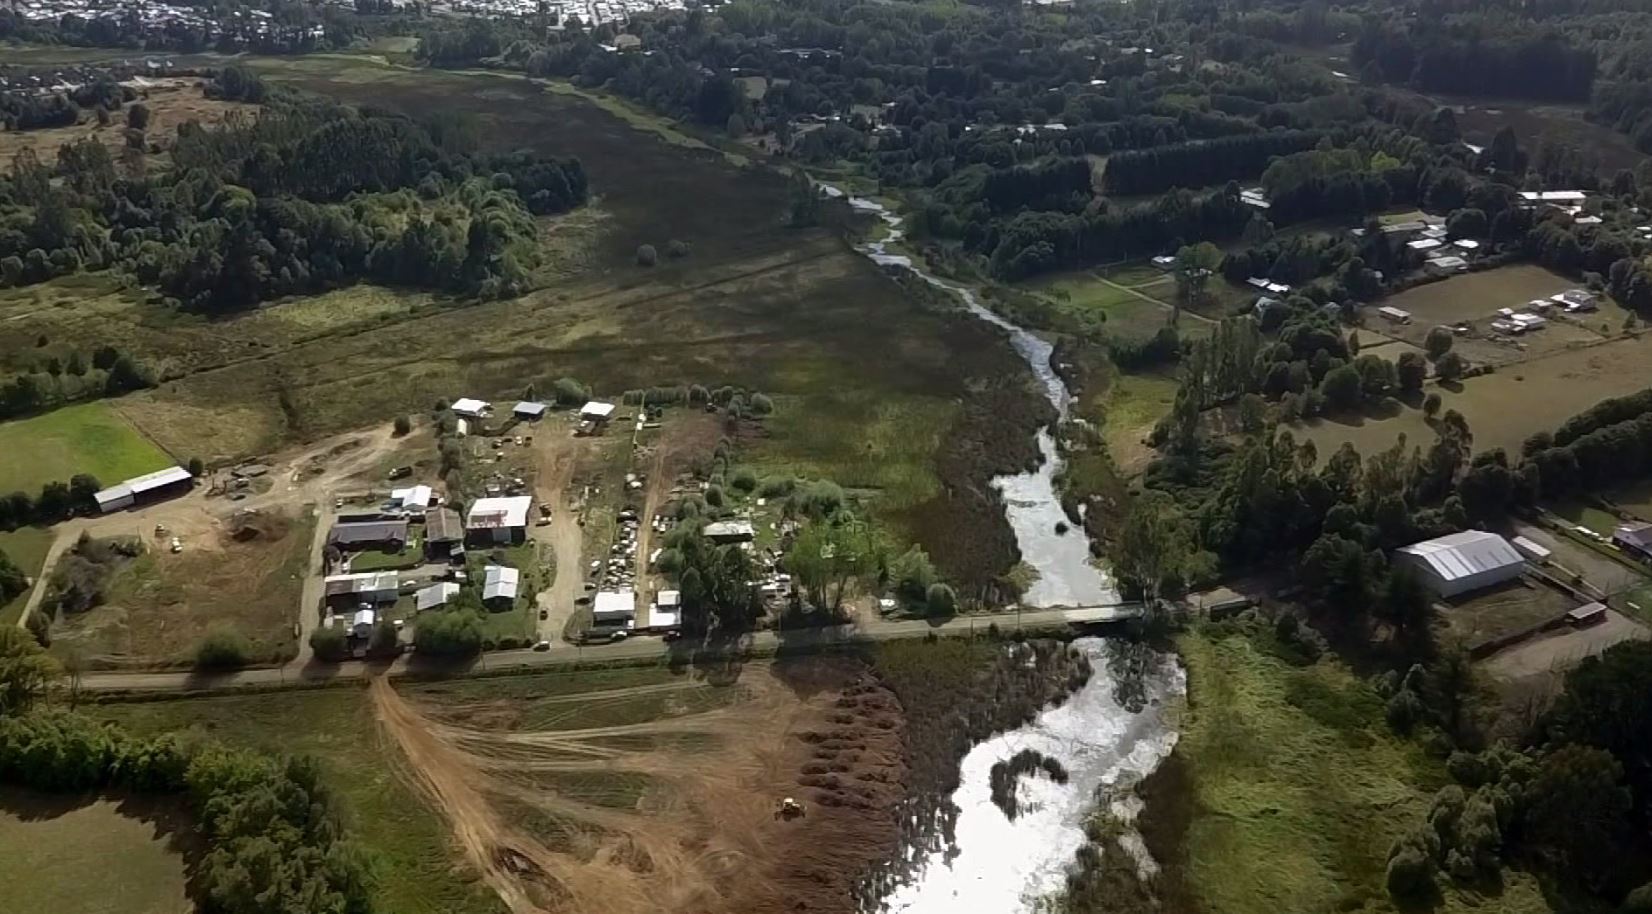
(304,197)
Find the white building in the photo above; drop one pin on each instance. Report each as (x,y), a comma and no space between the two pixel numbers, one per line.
(529,410)
(500,582)
(1462,562)
(139,488)
(361,624)
(596,411)
(435,595)
(614,609)
(730,531)
(498,520)
(667,611)
(471,408)
(411,497)
(363,587)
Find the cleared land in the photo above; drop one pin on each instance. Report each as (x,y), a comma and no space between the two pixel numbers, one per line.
(96,856)
(1505,408)
(1474,300)
(1297,788)
(159,605)
(1130,302)
(1480,120)
(1506,610)
(171,102)
(85,438)
(1550,654)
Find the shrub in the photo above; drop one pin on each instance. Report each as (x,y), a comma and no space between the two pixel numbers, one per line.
(1638,901)
(714,496)
(647,256)
(449,633)
(698,395)
(743,481)
(760,405)
(386,642)
(913,574)
(222,649)
(776,486)
(1404,711)
(1410,873)
(1450,366)
(402,426)
(569,392)
(676,249)
(941,600)
(329,644)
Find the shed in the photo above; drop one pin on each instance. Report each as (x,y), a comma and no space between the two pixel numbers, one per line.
(1587,614)
(412,497)
(529,410)
(361,624)
(1575,300)
(614,608)
(435,595)
(441,526)
(1164,261)
(1397,315)
(498,520)
(1533,551)
(500,582)
(471,408)
(730,531)
(1423,244)
(1462,562)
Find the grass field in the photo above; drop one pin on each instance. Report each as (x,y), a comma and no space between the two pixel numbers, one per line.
(159,605)
(416,869)
(86,438)
(1505,408)
(170,101)
(26,547)
(1503,611)
(1298,788)
(1635,498)
(1135,404)
(92,856)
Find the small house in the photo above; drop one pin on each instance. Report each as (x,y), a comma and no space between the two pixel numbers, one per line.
(1423,244)
(529,410)
(471,408)
(1394,315)
(442,532)
(667,612)
(435,595)
(612,609)
(500,584)
(1587,614)
(1447,263)
(1164,262)
(1462,562)
(412,498)
(596,412)
(1574,301)
(498,520)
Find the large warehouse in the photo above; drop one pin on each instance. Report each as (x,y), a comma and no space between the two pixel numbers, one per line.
(1462,562)
(148,487)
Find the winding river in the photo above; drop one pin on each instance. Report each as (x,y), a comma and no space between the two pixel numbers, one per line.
(1066,576)
(1000,865)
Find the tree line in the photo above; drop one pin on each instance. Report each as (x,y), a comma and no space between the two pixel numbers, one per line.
(58,381)
(1198,163)
(1433,59)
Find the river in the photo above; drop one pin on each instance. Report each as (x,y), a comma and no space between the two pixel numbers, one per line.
(1066,576)
(1004,866)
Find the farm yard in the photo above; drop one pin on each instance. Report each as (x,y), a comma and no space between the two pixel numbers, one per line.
(85,438)
(51,847)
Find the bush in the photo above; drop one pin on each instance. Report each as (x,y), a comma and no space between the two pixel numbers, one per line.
(1404,711)
(677,250)
(760,405)
(714,496)
(913,574)
(569,392)
(941,600)
(1638,901)
(449,633)
(386,642)
(402,426)
(743,481)
(776,486)
(1410,874)
(647,256)
(329,644)
(222,649)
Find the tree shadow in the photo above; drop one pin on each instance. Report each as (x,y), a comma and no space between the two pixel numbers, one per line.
(168,817)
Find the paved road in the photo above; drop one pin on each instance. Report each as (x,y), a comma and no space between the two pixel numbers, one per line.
(567,655)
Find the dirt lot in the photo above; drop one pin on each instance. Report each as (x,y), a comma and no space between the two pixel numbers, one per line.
(1552,653)
(1474,300)
(171,102)
(248,577)
(1506,407)
(656,797)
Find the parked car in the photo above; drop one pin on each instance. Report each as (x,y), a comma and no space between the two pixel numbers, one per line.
(542,646)
(401,472)
(177,545)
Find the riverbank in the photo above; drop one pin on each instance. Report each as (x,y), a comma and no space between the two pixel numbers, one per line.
(1286,789)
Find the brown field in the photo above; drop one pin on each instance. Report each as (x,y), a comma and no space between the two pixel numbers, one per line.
(171,103)
(1479,120)
(1505,408)
(1473,299)
(1504,610)
(247,576)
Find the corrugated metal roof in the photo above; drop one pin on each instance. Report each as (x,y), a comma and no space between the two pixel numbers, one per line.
(441,525)
(435,595)
(1462,555)
(499,582)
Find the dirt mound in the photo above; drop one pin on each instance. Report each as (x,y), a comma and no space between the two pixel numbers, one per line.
(257,526)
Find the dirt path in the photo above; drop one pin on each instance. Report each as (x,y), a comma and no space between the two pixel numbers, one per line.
(560,457)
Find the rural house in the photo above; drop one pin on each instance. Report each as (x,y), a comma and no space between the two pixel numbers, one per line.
(500,585)
(351,590)
(529,411)
(411,498)
(471,408)
(143,489)
(596,412)
(435,595)
(1462,562)
(498,520)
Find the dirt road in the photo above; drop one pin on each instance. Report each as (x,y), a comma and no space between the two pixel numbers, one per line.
(560,457)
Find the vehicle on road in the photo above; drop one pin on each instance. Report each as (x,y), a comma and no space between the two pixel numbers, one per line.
(177,545)
(542,646)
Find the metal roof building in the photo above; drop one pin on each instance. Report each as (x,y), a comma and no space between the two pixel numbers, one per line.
(363,533)
(614,607)
(127,493)
(1462,562)
(435,595)
(529,409)
(596,411)
(500,582)
(471,407)
(412,497)
(494,513)
(441,525)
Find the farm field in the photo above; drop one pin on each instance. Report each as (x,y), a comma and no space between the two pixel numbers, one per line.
(1294,788)
(84,438)
(1505,408)
(1135,404)
(628,789)
(160,605)
(1474,299)
(26,547)
(92,855)
(1130,302)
